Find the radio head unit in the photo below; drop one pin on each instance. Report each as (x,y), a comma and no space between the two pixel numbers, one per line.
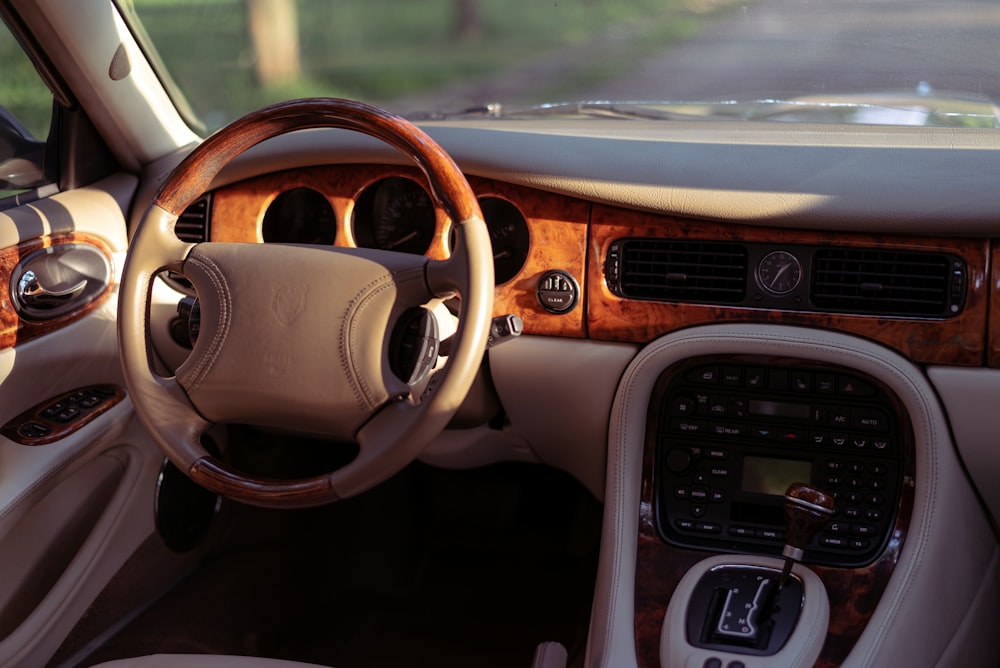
(732,436)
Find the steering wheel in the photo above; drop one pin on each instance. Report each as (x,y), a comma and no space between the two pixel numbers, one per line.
(297,338)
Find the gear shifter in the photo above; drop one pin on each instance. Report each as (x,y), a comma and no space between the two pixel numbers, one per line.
(807,510)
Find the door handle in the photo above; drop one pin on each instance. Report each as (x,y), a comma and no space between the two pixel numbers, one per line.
(32,294)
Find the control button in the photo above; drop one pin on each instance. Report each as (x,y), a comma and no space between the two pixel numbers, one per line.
(68,414)
(770,534)
(840,417)
(873,515)
(33,430)
(53,410)
(717,453)
(737,408)
(859,443)
(876,469)
(720,471)
(709,375)
(834,480)
(858,544)
(852,513)
(732,376)
(677,460)
(762,433)
(701,478)
(698,510)
(687,426)
(855,467)
(854,387)
(881,444)
(839,440)
(834,465)
(741,531)
(834,541)
(682,493)
(792,436)
(736,664)
(820,438)
(708,527)
(682,406)
(826,383)
(869,419)
(698,494)
(684,524)
(777,379)
(855,482)
(716,496)
(90,401)
(756,378)
(864,530)
(878,485)
(801,381)
(854,497)
(717,406)
(729,430)
(875,500)
(838,527)
(713,662)
(820,414)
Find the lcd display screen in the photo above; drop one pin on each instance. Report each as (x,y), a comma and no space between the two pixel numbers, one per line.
(767,475)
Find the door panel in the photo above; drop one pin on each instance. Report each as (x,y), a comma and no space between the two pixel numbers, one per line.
(74,506)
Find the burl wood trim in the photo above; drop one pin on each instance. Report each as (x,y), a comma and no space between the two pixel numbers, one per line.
(265,493)
(854,593)
(13,329)
(557,224)
(960,340)
(60,430)
(993,350)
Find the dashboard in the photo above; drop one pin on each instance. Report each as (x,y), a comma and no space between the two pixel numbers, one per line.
(811,297)
(925,297)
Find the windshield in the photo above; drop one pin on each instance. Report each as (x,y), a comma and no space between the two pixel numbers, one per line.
(901,62)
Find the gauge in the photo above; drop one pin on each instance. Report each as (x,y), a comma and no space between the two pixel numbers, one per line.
(509,236)
(395,214)
(299,216)
(779,272)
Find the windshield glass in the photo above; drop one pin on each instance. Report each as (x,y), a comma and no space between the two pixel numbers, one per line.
(901,62)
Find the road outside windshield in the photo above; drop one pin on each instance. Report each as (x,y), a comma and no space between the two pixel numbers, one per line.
(905,62)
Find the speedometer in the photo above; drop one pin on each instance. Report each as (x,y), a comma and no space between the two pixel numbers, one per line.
(395,214)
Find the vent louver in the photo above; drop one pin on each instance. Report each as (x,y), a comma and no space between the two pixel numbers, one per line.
(192,224)
(888,282)
(674,270)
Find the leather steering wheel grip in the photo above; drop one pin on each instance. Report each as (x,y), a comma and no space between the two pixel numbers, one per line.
(391,434)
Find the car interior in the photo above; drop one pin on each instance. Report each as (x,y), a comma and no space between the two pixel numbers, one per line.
(330,387)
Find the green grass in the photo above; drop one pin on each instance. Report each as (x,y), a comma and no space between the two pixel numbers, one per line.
(381,50)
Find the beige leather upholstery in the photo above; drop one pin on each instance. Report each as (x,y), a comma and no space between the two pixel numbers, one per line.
(201,661)
(549,655)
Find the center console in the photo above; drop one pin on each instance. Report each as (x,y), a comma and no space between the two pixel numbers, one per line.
(733,436)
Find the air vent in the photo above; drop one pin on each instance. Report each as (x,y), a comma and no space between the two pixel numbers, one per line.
(888,282)
(674,270)
(192,224)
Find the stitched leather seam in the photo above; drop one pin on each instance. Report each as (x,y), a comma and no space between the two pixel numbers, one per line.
(204,364)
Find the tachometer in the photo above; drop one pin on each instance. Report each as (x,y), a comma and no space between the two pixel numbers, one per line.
(395,214)
(509,236)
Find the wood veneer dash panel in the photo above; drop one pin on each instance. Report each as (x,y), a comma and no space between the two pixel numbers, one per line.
(960,340)
(13,329)
(557,224)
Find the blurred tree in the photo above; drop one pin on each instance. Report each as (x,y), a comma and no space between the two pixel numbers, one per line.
(274,35)
(468,26)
